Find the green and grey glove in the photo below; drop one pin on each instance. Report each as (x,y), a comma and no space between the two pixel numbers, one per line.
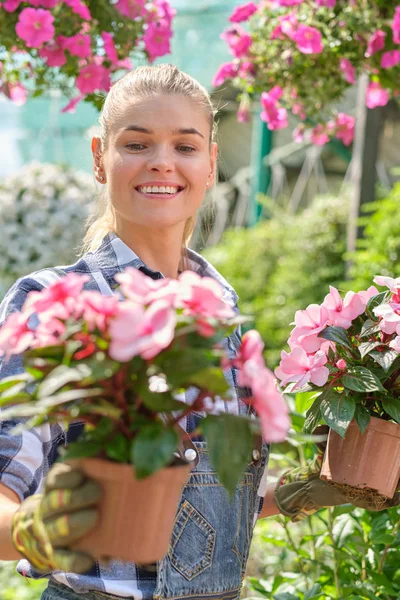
(300,492)
(46,524)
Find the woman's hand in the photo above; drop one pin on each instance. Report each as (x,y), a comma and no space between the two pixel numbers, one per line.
(46,524)
(300,492)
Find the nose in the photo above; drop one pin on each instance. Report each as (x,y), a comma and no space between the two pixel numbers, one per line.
(161,160)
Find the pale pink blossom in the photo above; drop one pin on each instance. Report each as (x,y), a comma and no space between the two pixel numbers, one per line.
(308,324)
(53,52)
(201,296)
(225,71)
(79,8)
(243,12)
(341,364)
(298,133)
(327,3)
(270,407)
(78,45)
(141,289)
(375,43)
(135,331)
(238,40)
(48,333)
(287,27)
(16,92)
(96,309)
(343,311)
(348,70)
(395,344)
(72,104)
(92,78)
(272,114)
(308,40)
(368,294)
(125,63)
(109,46)
(390,59)
(319,136)
(343,127)
(15,334)
(298,109)
(396,25)
(376,95)
(390,282)
(163,10)
(301,368)
(389,316)
(251,349)
(157,39)
(35,26)
(247,69)
(58,300)
(131,8)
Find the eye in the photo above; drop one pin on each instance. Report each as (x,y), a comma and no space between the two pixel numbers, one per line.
(135,146)
(186,149)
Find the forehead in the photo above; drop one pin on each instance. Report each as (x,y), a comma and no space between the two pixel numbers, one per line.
(163,112)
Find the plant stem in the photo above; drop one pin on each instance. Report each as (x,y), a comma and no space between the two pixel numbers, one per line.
(294,548)
(387,547)
(335,561)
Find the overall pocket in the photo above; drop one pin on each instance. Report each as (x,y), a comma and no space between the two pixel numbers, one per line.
(193,542)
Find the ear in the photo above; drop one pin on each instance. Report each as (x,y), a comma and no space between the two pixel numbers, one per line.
(213,162)
(98,159)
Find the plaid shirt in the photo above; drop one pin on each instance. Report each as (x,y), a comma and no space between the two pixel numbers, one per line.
(25,459)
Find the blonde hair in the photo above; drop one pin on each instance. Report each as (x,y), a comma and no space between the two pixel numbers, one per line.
(141,83)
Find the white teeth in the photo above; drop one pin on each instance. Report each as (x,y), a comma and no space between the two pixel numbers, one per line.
(155,189)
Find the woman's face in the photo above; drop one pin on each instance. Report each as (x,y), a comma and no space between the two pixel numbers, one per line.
(158,162)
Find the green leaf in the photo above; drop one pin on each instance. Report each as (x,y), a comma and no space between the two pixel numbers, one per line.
(360,379)
(56,351)
(337,411)
(392,408)
(313,416)
(366,347)
(384,359)
(81,449)
(303,400)
(118,448)
(337,335)
(229,442)
(211,379)
(153,449)
(315,592)
(61,376)
(369,328)
(285,596)
(375,301)
(159,402)
(362,417)
(9,382)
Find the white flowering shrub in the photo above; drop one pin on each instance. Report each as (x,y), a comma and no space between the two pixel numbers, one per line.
(43,208)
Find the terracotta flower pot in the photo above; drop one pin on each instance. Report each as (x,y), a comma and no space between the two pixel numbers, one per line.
(365,461)
(136,516)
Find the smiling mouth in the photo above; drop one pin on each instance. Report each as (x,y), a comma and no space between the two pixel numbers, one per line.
(159,190)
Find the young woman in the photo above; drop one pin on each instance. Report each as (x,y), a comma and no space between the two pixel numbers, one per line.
(157,156)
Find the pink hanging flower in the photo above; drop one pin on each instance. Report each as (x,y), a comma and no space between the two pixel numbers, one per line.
(109,46)
(53,53)
(201,296)
(327,3)
(376,95)
(275,117)
(16,92)
(301,368)
(135,331)
(287,27)
(298,133)
(238,40)
(78,45)
(390,59)
(91,78)
(298,109)
(251,349)
(97,310)
(226,71)
(11,5)
(375,43)
(344,128)
(58,300)
(348,70)
(72,104)
(319,136)
(343,311)
(396,26)
(157,39)
(289,2)
(35,26)
(243,113)
(243,12)
(79,8)
(131,8)
(308,40)
(164,11)
(309,323)
(45,3)
(15,334)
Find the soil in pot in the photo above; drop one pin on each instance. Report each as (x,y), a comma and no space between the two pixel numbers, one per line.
(136,516)
(369,461)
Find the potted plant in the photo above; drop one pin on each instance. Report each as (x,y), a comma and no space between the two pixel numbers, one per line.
(121,365)
(345,353)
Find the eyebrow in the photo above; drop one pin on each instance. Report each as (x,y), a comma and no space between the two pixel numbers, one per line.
(182,131)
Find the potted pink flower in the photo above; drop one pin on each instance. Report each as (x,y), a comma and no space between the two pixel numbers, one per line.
(120,366)
(346,353)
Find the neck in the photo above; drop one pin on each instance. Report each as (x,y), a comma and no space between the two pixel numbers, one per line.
(160,250)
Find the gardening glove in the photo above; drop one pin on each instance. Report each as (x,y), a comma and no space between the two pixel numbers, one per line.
(46,524)
(300,492)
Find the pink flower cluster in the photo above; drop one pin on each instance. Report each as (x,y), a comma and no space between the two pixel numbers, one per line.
(40,29)
(274,115)
(307,39)
(342,126)
(305,363)
(389,313)
(144,324)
